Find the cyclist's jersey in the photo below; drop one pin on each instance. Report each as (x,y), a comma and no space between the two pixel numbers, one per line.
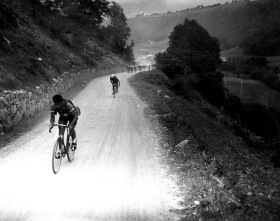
(65,109)
(114,80)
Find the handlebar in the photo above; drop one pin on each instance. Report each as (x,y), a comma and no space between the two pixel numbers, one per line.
(59,125)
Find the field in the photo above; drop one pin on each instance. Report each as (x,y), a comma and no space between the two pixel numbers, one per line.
(273,61)
(252,91)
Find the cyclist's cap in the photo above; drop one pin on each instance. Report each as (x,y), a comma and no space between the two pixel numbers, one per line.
(57,98)
(112,75)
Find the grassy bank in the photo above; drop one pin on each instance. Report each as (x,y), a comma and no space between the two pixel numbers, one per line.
(218,176)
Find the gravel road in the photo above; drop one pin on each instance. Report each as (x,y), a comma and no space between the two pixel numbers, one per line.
(117,173)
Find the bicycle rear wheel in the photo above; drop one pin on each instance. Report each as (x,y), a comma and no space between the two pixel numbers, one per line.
(70,153)
(114,91)
(56,156)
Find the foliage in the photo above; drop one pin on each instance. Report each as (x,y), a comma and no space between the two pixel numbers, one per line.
(210,87)
(82,11)
(255,117)
(254,68)
(260,120)
(216,169)
(263,38)
(7,17)
(234,106)
(118,29)
(191,46)
(54,36)
(165,63)
(193,51)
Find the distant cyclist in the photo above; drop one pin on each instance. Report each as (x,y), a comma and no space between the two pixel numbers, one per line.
(67,113)
(115,81)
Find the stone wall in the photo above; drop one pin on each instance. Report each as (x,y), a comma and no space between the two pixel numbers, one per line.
(16,106)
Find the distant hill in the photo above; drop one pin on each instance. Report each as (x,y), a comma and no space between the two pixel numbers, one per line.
(132,8)
(227,22)
(232,23)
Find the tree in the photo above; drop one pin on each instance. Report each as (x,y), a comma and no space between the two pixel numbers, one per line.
(118,28)
(195,55)
(85,11)
(192,46)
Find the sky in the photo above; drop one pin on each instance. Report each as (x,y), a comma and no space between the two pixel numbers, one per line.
(132,7)
(180,1)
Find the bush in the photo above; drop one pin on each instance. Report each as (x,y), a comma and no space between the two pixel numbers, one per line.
(7,17)
(234,105)
(260,120)
(211,87)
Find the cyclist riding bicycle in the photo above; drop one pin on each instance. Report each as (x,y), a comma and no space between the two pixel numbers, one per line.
(115,81)
(67,113)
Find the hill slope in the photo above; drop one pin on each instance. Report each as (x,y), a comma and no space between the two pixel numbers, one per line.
(253,25)
(220,176)
(29,55)
(228,23)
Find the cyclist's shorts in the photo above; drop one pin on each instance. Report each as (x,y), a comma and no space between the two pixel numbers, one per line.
(65,120)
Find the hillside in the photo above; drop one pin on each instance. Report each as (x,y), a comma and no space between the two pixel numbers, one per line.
(234,24)
(226,22)
(31,55)
(220,176)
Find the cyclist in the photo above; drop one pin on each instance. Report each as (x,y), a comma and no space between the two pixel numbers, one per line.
(67,113)
(115,81)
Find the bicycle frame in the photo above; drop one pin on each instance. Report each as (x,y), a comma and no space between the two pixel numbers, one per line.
(62,129)
(62,147)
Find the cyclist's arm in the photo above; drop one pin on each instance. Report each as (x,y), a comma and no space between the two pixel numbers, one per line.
(53,113)
(73,112)
(52,118)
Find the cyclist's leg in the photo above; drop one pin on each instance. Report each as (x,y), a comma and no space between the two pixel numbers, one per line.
(73,134)
(62,120)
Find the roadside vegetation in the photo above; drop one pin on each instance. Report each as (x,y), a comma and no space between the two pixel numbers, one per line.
(39,40)
(226,152)
(220,176)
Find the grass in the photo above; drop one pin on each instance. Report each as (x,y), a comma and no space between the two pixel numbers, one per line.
(228,23)
(253,91)
(273,61)
(218,176)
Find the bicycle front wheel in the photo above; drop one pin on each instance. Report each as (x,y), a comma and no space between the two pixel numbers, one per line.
(56,156)
(70,152)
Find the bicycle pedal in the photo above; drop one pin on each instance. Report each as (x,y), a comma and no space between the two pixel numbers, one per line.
(73,148)
(57,155)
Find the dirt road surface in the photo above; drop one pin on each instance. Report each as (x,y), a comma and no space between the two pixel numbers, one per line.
(117,173)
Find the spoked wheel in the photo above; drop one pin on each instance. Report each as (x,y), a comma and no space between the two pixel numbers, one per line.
(114,91)
(56,157)
(70,153)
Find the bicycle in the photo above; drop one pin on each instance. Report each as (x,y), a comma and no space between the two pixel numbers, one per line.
(62,147)
(115,90)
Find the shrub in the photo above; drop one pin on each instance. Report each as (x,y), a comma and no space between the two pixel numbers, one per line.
(211,87)
(260,120)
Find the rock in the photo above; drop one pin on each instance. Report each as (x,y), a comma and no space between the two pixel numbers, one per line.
(183,144)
